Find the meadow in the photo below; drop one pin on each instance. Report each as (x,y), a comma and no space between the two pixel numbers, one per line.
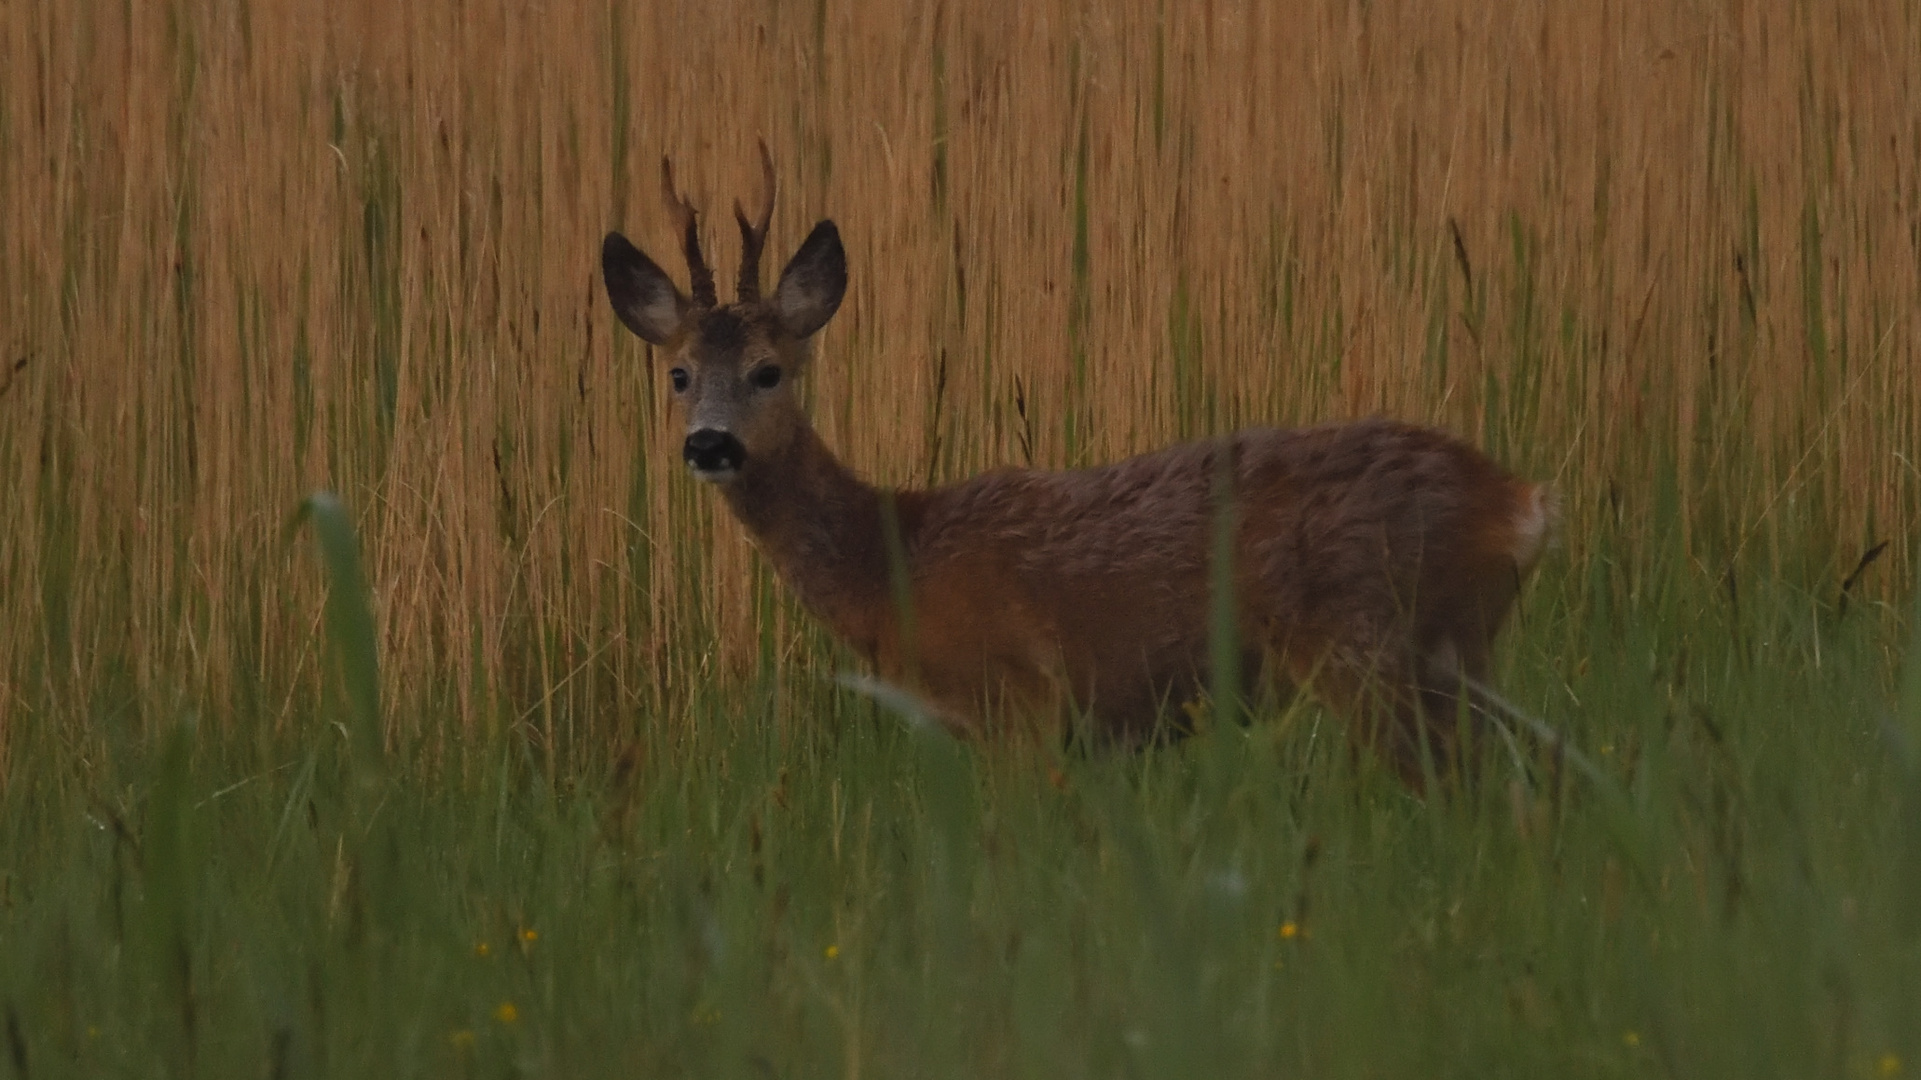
(513,759)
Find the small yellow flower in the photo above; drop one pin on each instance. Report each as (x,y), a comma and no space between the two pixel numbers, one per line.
(528,935)
(1290,930)
(831,952)
(506,1013)
(462,1039)
(93,1031)
(1888,1065)
(482,950)
(1631,1038)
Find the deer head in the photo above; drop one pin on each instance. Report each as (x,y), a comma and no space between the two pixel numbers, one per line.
(732,365)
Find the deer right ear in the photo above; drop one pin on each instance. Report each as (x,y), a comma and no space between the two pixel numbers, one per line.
(642,294)
(811,287)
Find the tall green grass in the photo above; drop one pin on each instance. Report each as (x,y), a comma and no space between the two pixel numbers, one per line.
(862,897)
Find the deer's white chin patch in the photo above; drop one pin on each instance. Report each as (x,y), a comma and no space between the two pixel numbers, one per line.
(713,476)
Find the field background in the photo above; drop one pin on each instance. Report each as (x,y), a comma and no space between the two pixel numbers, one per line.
(1668,256)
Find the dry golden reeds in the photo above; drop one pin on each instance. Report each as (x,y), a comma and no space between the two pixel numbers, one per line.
(1668,256)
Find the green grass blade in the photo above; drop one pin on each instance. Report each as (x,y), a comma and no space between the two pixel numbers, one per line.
(350,624)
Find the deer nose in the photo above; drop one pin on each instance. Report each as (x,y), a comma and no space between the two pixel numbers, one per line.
(711,451)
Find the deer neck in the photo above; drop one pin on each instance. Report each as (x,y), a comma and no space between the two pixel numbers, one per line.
(826,532)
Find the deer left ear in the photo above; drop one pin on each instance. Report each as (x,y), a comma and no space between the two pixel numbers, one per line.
(642,294)
(813,284)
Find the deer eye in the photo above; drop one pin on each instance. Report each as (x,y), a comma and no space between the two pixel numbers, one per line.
(766,378)
(679,377)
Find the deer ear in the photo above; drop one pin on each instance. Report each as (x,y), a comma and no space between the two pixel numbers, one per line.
(642,294)
(811,287)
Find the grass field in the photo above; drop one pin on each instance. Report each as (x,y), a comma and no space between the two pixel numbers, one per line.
(576,794)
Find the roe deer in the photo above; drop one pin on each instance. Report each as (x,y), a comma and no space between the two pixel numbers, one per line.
(1372,562)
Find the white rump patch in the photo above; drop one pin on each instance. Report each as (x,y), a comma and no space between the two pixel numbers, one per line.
(1535,525)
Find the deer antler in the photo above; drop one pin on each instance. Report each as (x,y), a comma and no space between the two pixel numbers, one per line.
(753,234)
(687,221)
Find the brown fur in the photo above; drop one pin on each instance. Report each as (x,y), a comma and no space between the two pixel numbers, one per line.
(1373,562)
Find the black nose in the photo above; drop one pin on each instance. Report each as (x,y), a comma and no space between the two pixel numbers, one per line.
(708,450)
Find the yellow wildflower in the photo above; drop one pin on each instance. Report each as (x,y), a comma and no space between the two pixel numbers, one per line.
(1290,930)
(831,952)
(462,1039)
(506,1013)
(1888,1065)
(482,950)
(1631,1038)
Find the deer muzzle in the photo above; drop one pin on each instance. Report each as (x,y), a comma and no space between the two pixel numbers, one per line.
(713,455)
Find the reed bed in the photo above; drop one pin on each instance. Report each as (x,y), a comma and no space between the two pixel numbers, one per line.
(255,249)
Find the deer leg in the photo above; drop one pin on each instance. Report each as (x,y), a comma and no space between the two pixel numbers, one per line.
(1454,648)
(1377,693)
